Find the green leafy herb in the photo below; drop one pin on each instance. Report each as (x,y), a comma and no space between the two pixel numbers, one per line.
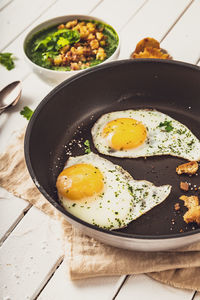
(68,37)
(95,62)
(112,40)
(26,112)
(57,40)
(130,189)
(87,146)
(43,44)
(7,61)
(167,124)
(191,142)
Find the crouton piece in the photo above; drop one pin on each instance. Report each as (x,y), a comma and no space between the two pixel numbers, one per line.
(188,168)
(101,54)
(99,35)
(184,186)
(91,27)
(176,206)
(192,215)
(58,60)
(150,52)
(91,36)
(149,48)
(94,44)
(75,66)
(146,42)
(61,26)
(190,201)
(71,24)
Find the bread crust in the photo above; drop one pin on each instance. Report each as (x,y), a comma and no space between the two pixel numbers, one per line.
(187,168)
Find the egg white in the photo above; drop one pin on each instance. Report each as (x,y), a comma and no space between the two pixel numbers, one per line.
(179,141)
(122,200)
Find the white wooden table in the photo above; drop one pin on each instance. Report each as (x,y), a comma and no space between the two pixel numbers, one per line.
(31,254)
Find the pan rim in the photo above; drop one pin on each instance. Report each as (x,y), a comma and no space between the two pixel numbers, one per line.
(43,191)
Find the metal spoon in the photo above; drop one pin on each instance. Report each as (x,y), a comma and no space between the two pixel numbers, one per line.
(10,95)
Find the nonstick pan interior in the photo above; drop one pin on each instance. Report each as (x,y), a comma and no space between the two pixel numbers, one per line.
(63,120)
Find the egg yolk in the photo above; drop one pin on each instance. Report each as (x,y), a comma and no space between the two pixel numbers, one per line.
(125,133)
(80,181)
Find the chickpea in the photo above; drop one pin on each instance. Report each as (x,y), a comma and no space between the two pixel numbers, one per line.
(101,54)
(84,32)
(99,35)
(65,49)
(79,50)
(68,55)
(77,27)
(82,58)
(61,26)
(73,50)
(91,36)
(82,23)
(91,27)
(71,24)
(57,60)
(74,58)
(74,66)
(94,44)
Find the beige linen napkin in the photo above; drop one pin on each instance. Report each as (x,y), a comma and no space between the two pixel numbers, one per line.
(87,257)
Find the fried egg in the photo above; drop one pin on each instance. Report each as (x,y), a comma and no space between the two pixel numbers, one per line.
(141,133)
(103,194)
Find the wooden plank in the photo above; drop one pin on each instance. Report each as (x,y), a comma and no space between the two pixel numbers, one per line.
(183,42)
(147,23)
(9,19)
(122,11)
(11,211)
(92,288)
(143,287)
(29,255)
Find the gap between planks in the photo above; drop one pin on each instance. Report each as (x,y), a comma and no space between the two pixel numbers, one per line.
(4,4)
(48,278)
(97,4)
(118,286)
(135,13)
(176,21)
(194,296)
(122,281)
(12,227)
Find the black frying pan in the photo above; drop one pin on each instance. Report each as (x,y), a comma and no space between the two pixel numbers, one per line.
(70,110)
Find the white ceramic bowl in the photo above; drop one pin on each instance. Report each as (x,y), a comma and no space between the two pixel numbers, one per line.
(59,76)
